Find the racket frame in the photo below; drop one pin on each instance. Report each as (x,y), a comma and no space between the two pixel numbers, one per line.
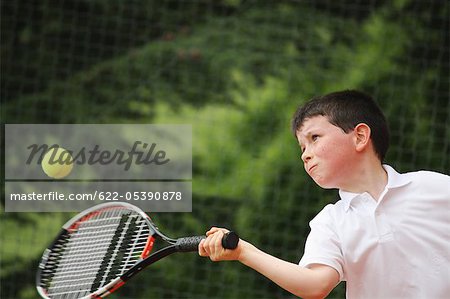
(119,281)
(186,244)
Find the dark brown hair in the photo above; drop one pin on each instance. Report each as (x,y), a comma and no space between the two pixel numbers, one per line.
(346,109)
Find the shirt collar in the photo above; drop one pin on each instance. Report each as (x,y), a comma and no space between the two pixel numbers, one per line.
(395,180)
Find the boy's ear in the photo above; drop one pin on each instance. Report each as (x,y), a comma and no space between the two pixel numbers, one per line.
(362,136)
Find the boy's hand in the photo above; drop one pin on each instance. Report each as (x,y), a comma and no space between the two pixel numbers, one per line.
(212,246)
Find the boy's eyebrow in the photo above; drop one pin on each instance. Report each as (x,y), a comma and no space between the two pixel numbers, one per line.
(306,133)
(308,127)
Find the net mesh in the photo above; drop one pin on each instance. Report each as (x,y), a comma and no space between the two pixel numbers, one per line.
(236,70)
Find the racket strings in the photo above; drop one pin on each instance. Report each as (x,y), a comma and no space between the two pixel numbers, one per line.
(61,287)
(54,259)
(69,263)
(96,252)
(109,267)
(86,257)
(86,265)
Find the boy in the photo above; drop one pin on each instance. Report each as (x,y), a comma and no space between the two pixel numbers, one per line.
(388,235)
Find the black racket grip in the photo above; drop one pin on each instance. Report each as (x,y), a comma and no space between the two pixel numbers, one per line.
(229,241)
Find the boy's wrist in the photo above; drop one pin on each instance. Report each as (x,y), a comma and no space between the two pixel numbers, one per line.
(245,250)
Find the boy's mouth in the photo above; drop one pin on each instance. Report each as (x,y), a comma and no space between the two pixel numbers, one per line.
(311,168)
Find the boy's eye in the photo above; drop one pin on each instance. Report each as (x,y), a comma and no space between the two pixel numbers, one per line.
(314,137)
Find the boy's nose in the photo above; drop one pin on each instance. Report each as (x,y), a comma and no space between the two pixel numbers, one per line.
(306,156)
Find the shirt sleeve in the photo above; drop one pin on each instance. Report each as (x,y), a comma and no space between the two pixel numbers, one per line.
(323,245)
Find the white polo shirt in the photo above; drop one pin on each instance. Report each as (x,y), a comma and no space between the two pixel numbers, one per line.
(398,247)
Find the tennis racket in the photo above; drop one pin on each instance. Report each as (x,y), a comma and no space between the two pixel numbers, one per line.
(101,248)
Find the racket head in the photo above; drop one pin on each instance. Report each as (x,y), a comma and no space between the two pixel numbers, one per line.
(94,249)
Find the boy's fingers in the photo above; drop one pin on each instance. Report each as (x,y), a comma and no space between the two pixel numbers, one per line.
(206,246)
(216,249)
(212,245)
(201,248)
(214,229)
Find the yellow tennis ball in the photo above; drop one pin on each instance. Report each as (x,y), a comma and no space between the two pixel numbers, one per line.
(57,163)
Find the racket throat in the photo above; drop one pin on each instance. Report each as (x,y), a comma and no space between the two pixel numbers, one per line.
(148,261)
(148,247)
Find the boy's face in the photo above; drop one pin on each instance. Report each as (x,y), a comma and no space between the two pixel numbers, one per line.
(328,153)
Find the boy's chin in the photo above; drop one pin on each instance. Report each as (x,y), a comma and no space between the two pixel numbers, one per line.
(325,185)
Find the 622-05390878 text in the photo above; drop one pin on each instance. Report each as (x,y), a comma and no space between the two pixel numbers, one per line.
(141,195)
(103,196)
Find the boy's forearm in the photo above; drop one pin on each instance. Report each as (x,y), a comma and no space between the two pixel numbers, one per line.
(303,282)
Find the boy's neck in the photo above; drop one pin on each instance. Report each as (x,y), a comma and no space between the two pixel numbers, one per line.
(370,177)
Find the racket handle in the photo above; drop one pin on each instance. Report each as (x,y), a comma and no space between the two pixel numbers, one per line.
(229,241)
(188,244)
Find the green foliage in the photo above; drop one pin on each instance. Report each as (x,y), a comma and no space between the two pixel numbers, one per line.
(236,72)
